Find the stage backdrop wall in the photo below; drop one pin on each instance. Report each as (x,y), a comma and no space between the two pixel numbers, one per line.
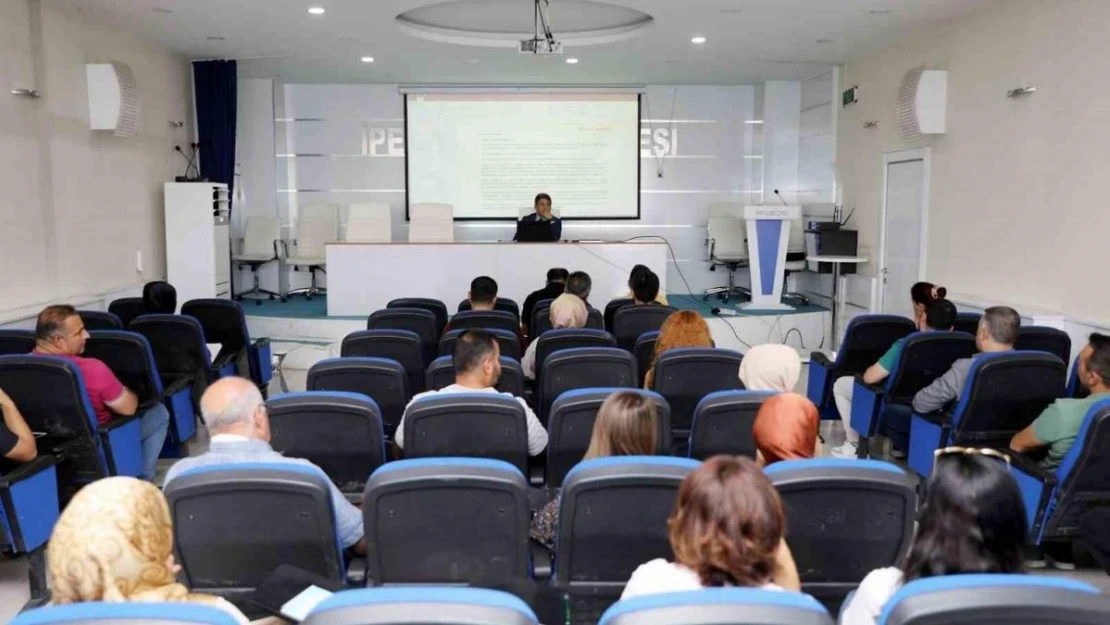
(345,144)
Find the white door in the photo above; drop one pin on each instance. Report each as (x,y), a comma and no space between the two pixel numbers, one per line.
(903,232)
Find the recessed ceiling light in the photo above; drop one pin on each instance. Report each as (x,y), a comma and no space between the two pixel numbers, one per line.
(215,38)
(879,11)
(699,40)
(731,11)
(367,59)
(317,10)
(161,10)
(824,41)
(572,60)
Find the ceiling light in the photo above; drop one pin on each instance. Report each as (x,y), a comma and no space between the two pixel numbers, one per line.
(215,38)
(316,10)
(572,61)
(699,40)
(879,11)
(161,10)
(824,41)
(367,59)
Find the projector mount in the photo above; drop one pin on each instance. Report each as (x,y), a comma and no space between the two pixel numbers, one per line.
(542,41)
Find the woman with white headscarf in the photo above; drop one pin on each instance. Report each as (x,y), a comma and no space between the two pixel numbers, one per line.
(567,311)
(771,368)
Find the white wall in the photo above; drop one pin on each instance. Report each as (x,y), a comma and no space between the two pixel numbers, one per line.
(1018,210)
(77,205)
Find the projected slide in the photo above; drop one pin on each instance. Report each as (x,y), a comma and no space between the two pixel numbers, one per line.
(488,155)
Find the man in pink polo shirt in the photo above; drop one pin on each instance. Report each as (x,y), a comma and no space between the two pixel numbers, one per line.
(60,332)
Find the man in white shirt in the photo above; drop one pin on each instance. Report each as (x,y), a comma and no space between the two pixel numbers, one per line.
(477,368)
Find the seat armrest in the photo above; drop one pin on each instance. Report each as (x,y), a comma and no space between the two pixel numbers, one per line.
(117,423)
(1028,466)
(177,386)
(820,358)
(877,389)
(938,417)
(541,560)
(27,470)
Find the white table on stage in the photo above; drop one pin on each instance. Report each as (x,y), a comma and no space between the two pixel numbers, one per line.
(836,262)
(364,277)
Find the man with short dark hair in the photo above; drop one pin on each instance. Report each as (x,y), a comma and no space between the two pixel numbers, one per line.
(556,283)
(477,360)
(1058,426)
(60,332)
(998,330)
(580,284)
(542,205)
(483,293)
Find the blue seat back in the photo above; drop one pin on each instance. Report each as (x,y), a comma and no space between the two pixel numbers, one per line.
(441,373)
(723,423)
(644,351)
(986,599)
(584,367)
(967,322)
(403,346)
(571,425)
(541,318)
(1043,339)
(468,425)
(179,346)
(630,322)
(488,319)
(224,322)
(1076,389)
(716,606)
(447,521)
(844,518)
(1082,479)
(867,338)
(925,357)
(420,320)
(101,613)
(430,606)
(569,338)
(339,432)
(1003,394)
(594,318)
(434,306)
(508,341)
(233,524)
(502,304)
(16,342)
(127,309)
(684,376)
(611,310)
(130,358)
(382,380)
(99,320)
(29,505)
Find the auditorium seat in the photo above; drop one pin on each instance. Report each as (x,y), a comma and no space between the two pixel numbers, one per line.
(1056,499)
(967,322)
(722,424)
(127,309)
(456,521)
(684,376)
(441,373)
(569,338)
(468,425)
(1004,393)
(427,606)
(1074,389)
(403,346)
(611,310)
(15,342)
(233,524)
(583,367)
(844,518)
(224,322)
(996,599)
(507,340)
(503,304)
(719,606)
(487,319)
(631,321)
(866,339)
(434,306)
(28,510)
(339,432)
(1043,339)
(129,356)
(885,408)
(180,351)
(571,425)
(644,351)
(416,319)
(612,518)
(102,613)
(99,320)
(382,380)
(50,393)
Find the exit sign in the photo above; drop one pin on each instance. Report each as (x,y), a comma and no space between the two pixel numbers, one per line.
(851,96)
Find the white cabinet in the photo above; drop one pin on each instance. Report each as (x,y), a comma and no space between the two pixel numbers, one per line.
(198,244)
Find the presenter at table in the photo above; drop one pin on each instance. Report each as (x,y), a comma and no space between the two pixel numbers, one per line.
(543,215)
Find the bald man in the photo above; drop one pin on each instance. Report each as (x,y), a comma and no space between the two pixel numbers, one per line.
(235,414)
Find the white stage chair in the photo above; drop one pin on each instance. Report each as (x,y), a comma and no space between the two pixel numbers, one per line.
(728,246)
(431,223)
(260,247)
(369,222)
(317,225)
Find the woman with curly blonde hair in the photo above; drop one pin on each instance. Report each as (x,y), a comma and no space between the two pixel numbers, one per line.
(685,328)
(726,530)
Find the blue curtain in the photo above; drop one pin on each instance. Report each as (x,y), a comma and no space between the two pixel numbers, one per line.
(216,88)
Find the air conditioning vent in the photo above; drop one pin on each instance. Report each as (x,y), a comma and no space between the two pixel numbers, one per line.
(114,102)
(921,103)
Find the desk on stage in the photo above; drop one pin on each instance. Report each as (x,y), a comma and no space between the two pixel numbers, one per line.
(364,277)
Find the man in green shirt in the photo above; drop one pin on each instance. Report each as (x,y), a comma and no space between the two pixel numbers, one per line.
(1057,427)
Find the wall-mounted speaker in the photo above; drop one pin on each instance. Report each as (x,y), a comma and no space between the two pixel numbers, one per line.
(921,103)
(114,102)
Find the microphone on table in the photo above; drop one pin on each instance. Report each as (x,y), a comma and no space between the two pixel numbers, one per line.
(779,196)
(720,312)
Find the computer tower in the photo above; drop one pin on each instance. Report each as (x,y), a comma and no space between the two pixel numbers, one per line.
(835,242)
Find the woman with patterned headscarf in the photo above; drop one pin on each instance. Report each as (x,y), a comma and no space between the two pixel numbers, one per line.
(567,311)
(114,543)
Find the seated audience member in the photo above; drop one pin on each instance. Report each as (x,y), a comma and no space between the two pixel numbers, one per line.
(483,296)
(785,428)
(477,369)
(17,441)
(1057,427)
(626,425)
(235,414)
(580,284)
(159,298)
(60,332)
(660,298)
(114,543)
(556,283)
(771,367)
(726,530)
(998,329)
(972,521)
(567,311)
(685,328)
(940,314)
